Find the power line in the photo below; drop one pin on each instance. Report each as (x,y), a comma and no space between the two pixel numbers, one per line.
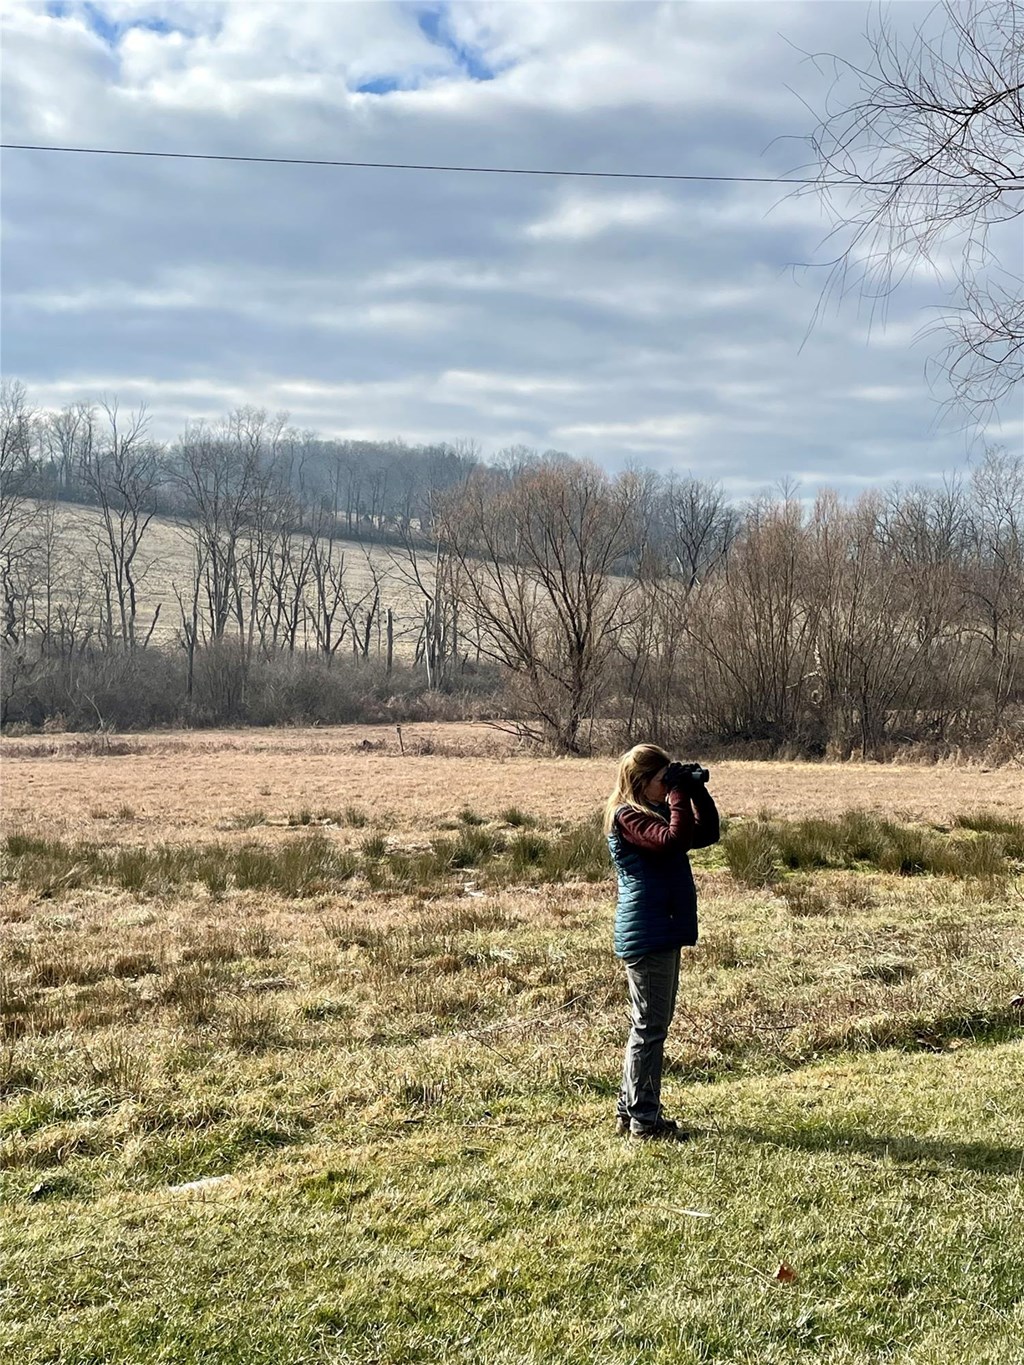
(465,170)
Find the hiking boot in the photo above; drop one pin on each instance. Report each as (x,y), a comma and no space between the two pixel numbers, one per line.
(665,1130)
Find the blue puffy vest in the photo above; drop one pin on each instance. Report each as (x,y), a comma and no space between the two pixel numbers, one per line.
(657,905)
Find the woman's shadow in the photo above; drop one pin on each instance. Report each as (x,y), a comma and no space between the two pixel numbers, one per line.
(939,1154)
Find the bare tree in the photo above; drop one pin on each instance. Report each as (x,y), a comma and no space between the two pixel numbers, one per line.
(68,437)
(217,473)
(327,613)
(994,575)
(431,577)
(752,641)
(703,527)
(122,474)
(870,666)
(920,153)
(17,422)
(537,556)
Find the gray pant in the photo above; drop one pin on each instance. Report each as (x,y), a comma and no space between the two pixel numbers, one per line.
(652,981)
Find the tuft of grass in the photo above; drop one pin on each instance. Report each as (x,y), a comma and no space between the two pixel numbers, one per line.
(308,867)
(475,846)
(320,1011)
(578,853)
(1010,831)
(193,992)
(256,941)
(758,851)
(518,819)
(717,948)
(421,1094)
(303,816)
(471,817)
(16,1074)
(527,852)
(752,853)
(251,1024)
(804,896)
(214,875)
(374,847)
(118,1063)
(888,970)
(246,819)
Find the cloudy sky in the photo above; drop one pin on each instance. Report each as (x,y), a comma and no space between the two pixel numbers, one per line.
(644,322)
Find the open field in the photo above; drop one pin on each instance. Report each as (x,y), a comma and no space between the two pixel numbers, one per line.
(368,1003)
(191,780)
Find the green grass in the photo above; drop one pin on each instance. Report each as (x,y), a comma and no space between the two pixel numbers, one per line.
(1010,832)
(401,1065)
(759,851)
(534,1234)
(302,867)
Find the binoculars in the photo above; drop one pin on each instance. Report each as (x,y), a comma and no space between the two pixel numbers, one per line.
(685,775)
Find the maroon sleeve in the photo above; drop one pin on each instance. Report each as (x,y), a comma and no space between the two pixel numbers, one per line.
(654,833)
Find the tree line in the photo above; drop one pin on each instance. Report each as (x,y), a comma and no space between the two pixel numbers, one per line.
(536,590)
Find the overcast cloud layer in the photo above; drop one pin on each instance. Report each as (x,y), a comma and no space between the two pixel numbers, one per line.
(626,321)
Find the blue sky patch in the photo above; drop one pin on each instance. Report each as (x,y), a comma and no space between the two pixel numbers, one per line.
(379,85)
(434,23)
(109,29)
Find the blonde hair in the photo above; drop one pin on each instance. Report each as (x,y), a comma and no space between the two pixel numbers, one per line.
(636,768)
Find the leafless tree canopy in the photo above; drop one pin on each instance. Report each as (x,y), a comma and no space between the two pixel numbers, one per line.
(537,591)
(920,155)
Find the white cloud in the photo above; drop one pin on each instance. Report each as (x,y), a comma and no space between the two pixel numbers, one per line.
(475,382)
(650,430)
(883,393)
(581,216)
(616,319)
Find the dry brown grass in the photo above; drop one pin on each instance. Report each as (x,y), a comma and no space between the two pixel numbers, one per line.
(177,784)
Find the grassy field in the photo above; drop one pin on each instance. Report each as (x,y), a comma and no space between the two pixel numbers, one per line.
(308,1053)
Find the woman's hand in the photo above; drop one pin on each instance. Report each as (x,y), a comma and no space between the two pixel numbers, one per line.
(674,776)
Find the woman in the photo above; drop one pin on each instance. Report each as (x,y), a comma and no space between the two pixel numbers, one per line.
(657,812)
